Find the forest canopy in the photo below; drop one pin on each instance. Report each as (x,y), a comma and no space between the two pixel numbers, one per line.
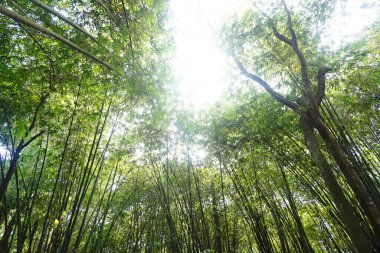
(99,152)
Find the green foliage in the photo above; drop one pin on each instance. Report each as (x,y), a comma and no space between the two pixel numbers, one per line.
(107,161)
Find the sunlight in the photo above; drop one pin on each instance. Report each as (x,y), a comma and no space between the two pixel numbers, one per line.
(4,153)
(200,66)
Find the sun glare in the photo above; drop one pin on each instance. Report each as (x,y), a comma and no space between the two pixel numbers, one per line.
(4,153)
(200,65)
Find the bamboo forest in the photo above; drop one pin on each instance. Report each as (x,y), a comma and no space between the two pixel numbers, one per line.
(203,126)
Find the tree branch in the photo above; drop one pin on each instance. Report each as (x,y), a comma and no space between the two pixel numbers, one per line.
(24,145)
(293,43)
(290,25)
(38,108)
(18,18)
(267,87)
(62,17)
(108,11)
(129,30)
(321,77)
(13,164)
(281,37)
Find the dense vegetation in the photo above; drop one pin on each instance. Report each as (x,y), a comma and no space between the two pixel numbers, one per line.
(98,156)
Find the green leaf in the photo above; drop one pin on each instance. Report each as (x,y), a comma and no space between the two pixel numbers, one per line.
(21,130)
(150,3)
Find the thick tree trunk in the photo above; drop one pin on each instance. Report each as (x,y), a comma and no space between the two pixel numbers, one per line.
(345,210)
(370,205)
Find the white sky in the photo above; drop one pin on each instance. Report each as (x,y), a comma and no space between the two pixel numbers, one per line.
(4,153)
(201,67)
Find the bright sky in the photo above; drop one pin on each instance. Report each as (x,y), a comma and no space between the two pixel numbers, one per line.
(201,67)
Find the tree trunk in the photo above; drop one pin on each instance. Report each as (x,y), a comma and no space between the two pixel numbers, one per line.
(218,246)
(345,209)
(303,239)
(367,202)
